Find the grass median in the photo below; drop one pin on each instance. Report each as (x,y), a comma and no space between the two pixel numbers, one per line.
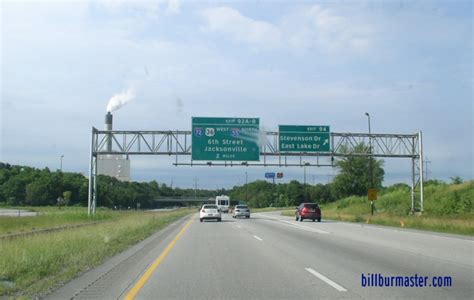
(34,264)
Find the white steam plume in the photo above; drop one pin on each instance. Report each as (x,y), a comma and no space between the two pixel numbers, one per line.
(120,99)
(260,138)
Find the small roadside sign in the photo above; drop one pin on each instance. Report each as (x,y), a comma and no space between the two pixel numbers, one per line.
(270,175)
(372,194)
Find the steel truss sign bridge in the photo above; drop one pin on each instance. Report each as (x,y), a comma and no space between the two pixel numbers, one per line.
(261,148)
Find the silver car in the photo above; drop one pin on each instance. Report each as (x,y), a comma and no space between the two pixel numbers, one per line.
(241,211)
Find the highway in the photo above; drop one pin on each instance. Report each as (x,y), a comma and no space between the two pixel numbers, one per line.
(274,257)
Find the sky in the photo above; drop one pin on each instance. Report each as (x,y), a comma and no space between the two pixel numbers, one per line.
(408,63)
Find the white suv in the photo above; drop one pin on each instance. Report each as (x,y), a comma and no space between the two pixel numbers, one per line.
(209,211)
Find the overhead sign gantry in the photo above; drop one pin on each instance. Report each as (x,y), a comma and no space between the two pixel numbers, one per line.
(240,142)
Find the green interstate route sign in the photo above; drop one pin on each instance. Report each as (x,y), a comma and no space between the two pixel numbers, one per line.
(231,139)
(300,138)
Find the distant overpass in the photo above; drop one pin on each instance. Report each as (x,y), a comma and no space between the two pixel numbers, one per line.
(166,200)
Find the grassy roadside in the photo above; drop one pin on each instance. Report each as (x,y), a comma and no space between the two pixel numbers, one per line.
(458,224)
(288,212)
(50,217)
(35,264)
(448,208)
(265,209)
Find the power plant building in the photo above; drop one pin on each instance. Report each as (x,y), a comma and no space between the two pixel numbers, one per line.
(113,165)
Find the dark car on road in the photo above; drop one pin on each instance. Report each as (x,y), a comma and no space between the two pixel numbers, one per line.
(309,211)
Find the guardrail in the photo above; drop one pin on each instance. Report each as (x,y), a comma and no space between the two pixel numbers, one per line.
(16,213)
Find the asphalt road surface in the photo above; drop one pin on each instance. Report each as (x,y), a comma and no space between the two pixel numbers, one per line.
(274,257)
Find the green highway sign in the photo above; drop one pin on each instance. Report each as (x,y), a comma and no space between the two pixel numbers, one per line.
(298,138)
(231,139)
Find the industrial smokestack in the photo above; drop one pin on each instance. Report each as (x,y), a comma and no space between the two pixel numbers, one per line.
(108,121)
(108,126)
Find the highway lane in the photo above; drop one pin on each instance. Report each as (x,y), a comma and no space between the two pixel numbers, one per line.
(274,257)
(226,261)
(345,250)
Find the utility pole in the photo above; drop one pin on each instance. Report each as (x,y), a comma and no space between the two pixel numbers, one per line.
(195,186)
(426,168)
(371,178)
(246,188)
(304,182)
(61,163)
(60,197)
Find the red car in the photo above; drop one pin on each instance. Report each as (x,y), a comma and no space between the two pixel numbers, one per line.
(308,211)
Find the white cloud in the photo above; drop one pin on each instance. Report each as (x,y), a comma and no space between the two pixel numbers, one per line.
(59,69)
(229,21)
(174,6)
(315,27)
(146,8)
(140,8)
(329,31)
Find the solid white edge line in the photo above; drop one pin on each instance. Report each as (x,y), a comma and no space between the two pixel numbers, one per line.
(258,238)
(305,227)
(327,280)
(380,227)
(287,223)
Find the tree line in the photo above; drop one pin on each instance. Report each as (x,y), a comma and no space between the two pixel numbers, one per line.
(22,185)
(352,180)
